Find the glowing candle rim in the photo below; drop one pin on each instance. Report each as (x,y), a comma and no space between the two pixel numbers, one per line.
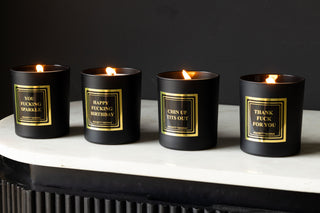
(101,72)
(271,79)
(112,71)
(204,75)
(49,68)
(39,68)
(186,75)
(283,79)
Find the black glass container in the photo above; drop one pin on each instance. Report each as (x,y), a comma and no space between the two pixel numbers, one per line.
(271,114)
(111,105)
(188,110)
(41,100)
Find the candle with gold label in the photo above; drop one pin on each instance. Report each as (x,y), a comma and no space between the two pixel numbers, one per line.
(111,105)
(271,114)
(41,100)
(188,109)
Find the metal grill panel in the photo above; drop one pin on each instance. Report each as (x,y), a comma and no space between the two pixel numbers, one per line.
(15,199)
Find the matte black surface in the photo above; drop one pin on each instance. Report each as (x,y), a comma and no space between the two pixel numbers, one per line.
(131,104)
(207,88)
(51,185)
(290,87)
(58,77)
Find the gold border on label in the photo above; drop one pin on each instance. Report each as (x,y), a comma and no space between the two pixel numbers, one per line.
(45,90)
(117,93)
(282,103)
(194,113)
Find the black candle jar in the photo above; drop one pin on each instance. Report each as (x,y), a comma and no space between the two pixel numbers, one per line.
(271,114)
(111,105)
(41,100)
(188,110)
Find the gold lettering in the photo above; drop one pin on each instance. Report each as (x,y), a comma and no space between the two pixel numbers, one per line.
(261,124)
(269,125)
(258,124)
(102,114)
(105,103)
(173,111)
(100,108)
(183,112)
(29,109)
(264,118)
(30,104)
(171,117)
(263,112)
(183,118)
(28,98)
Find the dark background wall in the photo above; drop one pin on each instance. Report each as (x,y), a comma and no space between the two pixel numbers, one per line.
(232,38)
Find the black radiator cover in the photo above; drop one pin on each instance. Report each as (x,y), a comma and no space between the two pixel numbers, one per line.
(31,188)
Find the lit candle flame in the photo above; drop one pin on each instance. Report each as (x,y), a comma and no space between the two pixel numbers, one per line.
(110,71)
(186,75)
(272,79)
(39,68)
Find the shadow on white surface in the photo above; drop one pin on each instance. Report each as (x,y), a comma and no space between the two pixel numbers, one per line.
(75,131)
(227,142)
(147,137)
(310,148)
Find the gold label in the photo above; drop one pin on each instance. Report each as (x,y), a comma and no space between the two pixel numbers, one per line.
(179,114)
(33,105)
(104,109)
(266,119)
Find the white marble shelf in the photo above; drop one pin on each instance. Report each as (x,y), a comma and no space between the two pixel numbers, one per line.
(225,164)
